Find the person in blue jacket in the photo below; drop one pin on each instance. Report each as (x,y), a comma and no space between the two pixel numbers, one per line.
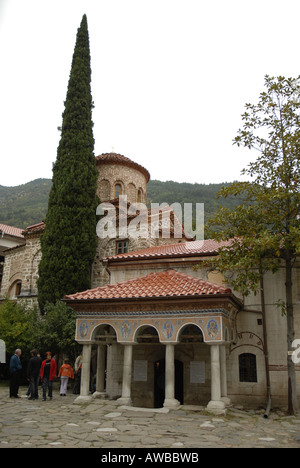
(15,368)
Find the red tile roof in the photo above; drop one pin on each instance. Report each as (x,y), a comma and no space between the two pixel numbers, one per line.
(114,158)
(168,283)
(185,249)
(11,231)
(35,228)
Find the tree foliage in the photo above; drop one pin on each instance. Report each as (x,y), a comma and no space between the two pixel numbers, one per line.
(69,241)
(24,327)
(265,227)
(17,322)
(56,330)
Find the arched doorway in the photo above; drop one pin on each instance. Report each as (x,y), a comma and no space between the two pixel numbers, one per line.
(159,382)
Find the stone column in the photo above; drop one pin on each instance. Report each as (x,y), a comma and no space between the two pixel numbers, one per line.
(85,374)
(216,405)
(170,401)
(127,374)
(100,377)
(224,395)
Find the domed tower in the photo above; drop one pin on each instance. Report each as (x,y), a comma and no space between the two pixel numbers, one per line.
(119,175)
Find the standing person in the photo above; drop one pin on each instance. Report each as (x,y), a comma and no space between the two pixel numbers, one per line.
(33,374)
(48,371)
(65,373)
(15,368)
(77,383)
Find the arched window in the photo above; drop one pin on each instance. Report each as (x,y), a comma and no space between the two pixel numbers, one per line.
(247,367)
(140,196)
(15,289)
(118,190)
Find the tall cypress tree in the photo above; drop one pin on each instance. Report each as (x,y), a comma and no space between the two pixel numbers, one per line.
(69,241)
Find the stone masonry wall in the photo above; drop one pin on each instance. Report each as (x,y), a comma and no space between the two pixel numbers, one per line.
(130,179)
(21,265)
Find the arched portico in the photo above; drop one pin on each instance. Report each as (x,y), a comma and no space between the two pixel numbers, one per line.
(135,316)
(119,337)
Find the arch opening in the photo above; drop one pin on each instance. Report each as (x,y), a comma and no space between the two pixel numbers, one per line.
(190,333)
(147,334)
(105,334)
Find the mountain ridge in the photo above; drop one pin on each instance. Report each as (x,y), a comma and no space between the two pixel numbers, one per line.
(26,204)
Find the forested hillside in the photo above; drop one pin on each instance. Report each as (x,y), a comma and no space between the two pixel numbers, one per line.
(26,204)
(170,192)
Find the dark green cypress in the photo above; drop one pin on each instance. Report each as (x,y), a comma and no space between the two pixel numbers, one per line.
(69,241)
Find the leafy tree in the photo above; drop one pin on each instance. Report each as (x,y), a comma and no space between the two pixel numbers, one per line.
(23,327)
(265,226)
(56,330)
(17,322)
(69,241)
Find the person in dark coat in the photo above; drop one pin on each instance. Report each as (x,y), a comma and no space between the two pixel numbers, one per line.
(15,368)
(33,374)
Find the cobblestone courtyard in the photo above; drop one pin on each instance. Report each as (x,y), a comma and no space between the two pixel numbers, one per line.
(103,424)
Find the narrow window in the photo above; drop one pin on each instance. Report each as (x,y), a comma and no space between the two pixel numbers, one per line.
(118,190)
(247,367)
(140,196)
(122,247)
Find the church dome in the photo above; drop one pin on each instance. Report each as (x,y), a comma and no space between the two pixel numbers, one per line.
(119,175)
(119,159)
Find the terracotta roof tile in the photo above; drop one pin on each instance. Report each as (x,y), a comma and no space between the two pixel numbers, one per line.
(11,230)
(184,249)
(168,283)
(35,228)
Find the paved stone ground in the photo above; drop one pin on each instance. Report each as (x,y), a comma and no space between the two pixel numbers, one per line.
(62,424)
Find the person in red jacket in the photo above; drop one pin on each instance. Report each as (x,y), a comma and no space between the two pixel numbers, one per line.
(48,372)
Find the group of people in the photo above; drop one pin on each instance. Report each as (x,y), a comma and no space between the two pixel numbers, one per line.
(39,370)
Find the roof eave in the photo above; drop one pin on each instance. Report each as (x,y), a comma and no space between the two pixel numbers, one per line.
(157,257)
(189,298)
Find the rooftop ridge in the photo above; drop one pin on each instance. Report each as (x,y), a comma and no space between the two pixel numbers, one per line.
(168,283)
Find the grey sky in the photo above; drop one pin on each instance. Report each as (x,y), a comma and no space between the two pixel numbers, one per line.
(169,80)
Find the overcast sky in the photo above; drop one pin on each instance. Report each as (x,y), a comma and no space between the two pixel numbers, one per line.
(169,80)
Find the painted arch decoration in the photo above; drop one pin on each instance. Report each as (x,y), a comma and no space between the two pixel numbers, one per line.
(214,328)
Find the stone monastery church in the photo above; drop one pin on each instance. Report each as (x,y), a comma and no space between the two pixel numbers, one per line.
(161,332)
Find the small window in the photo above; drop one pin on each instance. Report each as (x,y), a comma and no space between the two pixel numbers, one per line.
(247,367)
(118,190)
(140,196)
(122,247)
